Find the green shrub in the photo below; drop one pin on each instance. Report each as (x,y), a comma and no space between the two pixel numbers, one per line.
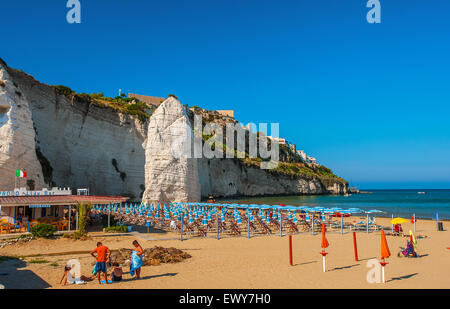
(64,90)
(117,228)
(77,235)
(83,216)
(84,97)
(43,230)
(37,261)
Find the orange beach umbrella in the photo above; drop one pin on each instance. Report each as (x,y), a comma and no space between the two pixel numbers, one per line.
(325,243)
(385,253)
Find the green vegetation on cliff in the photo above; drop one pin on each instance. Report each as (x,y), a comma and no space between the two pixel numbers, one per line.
(129,106)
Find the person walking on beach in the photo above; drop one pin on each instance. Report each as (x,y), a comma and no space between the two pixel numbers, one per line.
(136,260)
(102,255)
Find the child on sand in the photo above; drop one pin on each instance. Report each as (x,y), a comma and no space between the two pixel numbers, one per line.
(116,274)
(70,279)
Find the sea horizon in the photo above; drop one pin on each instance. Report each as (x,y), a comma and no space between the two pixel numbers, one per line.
(396,202)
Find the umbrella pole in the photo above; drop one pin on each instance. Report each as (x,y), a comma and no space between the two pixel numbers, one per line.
(324,263)
(217,218)
(392,225)
(367,224)
(382,273)
(437,222)
(342,224)
(414,223)
(281,224)
(248,227)
(290,250)
(355,246)
(181,230)
(313,225)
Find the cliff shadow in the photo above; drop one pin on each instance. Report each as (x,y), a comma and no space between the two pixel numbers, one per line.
(13,277)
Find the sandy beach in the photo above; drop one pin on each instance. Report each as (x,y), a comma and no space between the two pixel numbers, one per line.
(260,262)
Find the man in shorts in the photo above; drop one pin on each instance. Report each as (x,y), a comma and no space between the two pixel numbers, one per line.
(102,256)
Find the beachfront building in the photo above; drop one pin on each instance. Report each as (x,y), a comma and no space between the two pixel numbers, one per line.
(21,208)
(302,155)
(279,140)
(292,147)
(311,160)
(149,100)
(227,113)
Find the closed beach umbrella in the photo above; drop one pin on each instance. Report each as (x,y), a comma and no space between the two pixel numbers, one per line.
(324,245)
(413,240)
(385,253)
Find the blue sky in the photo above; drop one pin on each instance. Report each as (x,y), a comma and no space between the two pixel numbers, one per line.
(370,101)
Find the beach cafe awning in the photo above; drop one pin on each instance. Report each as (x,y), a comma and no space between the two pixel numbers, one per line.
(52,200)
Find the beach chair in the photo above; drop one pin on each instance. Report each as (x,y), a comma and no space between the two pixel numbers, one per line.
(187,227)
(264,228)
(200,229)
(305,225)
(234,228)
(292,227)
(275,224)
(5,228)
(64,225)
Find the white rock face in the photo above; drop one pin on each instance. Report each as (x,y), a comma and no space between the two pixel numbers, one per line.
(86,146)
(170,174)
(17,137)
(228,177)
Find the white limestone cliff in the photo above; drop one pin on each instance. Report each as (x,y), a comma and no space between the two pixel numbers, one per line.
(17,136)
(171,174)
(82,145)
(231,178)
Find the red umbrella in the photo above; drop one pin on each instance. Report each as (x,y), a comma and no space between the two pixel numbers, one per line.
(385,253)
(324,245)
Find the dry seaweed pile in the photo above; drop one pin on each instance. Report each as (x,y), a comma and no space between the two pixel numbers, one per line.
(152,256)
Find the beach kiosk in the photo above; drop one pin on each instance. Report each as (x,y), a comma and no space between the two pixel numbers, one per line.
(20,208)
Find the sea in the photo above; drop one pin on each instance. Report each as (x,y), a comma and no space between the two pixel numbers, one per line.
(400,203)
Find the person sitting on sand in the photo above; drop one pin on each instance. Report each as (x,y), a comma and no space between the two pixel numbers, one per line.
(102,256)
(116,274)
(398,229)
(70,279)
(136,260)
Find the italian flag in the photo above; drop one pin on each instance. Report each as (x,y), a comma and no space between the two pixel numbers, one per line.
(21,174)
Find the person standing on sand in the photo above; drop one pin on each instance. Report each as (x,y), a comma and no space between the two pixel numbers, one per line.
(136,260)
(102,256)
